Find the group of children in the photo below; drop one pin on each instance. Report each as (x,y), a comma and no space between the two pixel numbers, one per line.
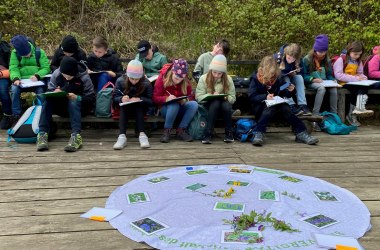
(285,74)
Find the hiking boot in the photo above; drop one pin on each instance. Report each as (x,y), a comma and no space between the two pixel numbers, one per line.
(144,142)
(316,127)
(6,121)
(183,135)
(305,110)
(42,141)
(236,112)
(165,138)
(121,142)
(229,137)
(296,111)
(206,139)
(258,139)
(352,120)
(75,143)
(304,137)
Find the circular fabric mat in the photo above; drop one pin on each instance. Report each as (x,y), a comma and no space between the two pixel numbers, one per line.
(187,219)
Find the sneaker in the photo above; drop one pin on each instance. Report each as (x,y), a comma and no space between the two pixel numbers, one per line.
(352,120)
(206,140)
(236,112)
(42,141)
(144,142)
(75,143)
(229,137)
(296,111)
(305,110)
(6,122)
(165,138)
(121,142)
(304,137)
(316,127)
(258,140)
(183,135)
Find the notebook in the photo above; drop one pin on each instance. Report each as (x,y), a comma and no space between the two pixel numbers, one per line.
(178,99)
(276,100)
(27,83)
(331,241)
(213,97)
(127,103)
(330,83)
(55,94)
(363,83)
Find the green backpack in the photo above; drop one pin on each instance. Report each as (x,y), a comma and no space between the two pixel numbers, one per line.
(198,125)
(104,101)
(333,125)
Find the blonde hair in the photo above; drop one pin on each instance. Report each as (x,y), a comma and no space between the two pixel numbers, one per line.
(210,81)
(293,50)
(168,81)
(268,69)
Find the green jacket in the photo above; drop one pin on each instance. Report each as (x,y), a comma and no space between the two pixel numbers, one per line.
(201,92)
(324,74)
(153,67)
(203,63)
(28,66)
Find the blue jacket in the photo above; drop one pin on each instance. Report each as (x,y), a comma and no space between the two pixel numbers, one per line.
(288,67)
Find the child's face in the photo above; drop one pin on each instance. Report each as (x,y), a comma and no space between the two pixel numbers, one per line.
(149,56)
(216,74)
(321,54)
(134,81)
(67,53)
(176,79)
(99,51)
(67,77)
(290,59)
(217,49)
(355,55)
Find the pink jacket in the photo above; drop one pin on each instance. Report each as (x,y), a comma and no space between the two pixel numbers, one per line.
(340,75)
(374,67)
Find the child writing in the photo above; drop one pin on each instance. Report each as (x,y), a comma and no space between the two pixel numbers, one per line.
(6,104)
(103,60)
(349,68)
(216,81)
(152,60)
(266,85)
(72,78)
(374,66)
(135,89)
(171,84)
(316,68)
(288,59)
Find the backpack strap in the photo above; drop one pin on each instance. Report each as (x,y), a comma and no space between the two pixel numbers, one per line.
(107,85)
(37,55)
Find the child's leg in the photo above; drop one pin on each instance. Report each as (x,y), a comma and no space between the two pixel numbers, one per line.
(188,109)
(139,110)
(74,108)
(103,78)
(214,107)
(6,104)
(170,112)
(333,96)
(46,115)
(318,97)
(290,99)
(123,120)
(226,110)
(266,115)
(293,120)
(16,102)
(298,82)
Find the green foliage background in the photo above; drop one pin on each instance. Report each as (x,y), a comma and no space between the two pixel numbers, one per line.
(188,28)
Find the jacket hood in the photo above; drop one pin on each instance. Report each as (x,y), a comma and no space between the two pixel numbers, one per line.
(82,69)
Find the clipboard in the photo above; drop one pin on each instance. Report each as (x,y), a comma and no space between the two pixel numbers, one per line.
(213,97)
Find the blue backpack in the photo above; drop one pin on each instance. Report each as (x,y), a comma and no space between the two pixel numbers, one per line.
(333,125)
(243,129)
(27,127)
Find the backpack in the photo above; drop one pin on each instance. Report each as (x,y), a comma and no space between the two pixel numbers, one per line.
(27,127)
(104,101)
(333,125)
(198,125)
(365,67)
(5,53)
(243,129)
(37,53)
(336,57)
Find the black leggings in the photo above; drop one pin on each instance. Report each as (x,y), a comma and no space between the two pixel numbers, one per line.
(137,109)
(355,91)
(215,107)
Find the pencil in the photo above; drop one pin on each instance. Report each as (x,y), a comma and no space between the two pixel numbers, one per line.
(168,92)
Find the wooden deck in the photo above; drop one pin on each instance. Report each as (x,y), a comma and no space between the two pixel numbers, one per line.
(43,193)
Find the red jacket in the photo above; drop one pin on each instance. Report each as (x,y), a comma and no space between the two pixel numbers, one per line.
(160,93)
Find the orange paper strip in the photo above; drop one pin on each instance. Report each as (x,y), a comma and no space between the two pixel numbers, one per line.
(98,218)
(341,247)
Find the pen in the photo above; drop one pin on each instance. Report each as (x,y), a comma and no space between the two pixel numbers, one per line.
(168,92)
(120,91)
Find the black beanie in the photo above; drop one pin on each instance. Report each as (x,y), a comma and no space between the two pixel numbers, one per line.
(69,66)
(69,44)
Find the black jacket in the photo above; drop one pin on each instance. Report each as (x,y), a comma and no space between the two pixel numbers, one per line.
(146,95)
(79,55)
(110,61)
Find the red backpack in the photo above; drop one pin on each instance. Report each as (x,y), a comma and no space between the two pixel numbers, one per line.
(365,64)
(336,57)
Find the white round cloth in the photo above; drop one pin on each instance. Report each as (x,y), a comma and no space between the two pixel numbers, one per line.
(187,219)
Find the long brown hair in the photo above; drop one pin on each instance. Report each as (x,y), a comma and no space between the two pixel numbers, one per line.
(312,57)
(210,81)
(355,46)
(168,81)
(293,50)
(139,85)
(268,70)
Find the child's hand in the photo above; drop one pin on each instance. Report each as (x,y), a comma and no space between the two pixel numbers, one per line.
(270,96)
(170,97)
(72,96)
(33,78)
(134,99)
(111,73)
(90,71)
(216,93)
(317,80)
(17,82)
(58,89)
(361,78)
(125,98)
(291,87)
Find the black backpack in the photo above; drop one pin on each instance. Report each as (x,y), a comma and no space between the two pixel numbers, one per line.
(5,53)
(37,50)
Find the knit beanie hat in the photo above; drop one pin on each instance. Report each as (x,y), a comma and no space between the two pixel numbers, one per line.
(219,63)
(180,67)
(21,45)
(69,44)
(321,43)
(135,69)
(69,66)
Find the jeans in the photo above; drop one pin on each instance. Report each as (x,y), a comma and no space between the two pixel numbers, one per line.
(264,115)
(73,109)
(172,110)
(139,110)
(215,107)
(298,82)
(102,80)
(320,95)
(5,98)
(16,97)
